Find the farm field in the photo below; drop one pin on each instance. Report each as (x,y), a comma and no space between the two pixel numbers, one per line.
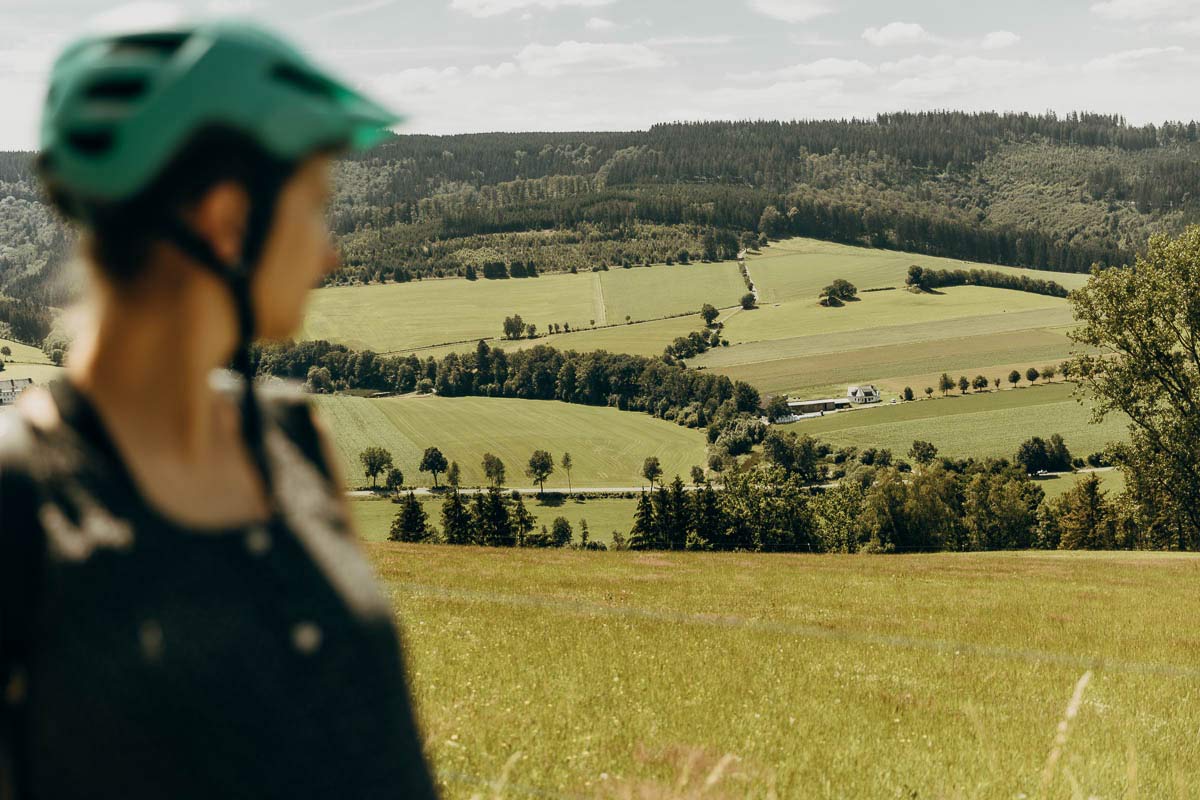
(27,362)
(607,675)
(1111,481)
(603,515)
(890,338)
(648,338)
(890,365)
(980,425)
(418,314)
(608,446)
(799,268)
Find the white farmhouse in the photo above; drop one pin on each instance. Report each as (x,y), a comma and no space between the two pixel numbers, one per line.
(861,395)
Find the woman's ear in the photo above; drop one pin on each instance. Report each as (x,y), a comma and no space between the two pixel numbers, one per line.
(221,217)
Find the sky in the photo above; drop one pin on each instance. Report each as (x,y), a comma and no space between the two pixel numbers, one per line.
(456,66)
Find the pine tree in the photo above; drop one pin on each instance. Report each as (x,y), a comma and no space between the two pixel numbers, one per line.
(641,535)
(410,524)
(1086,519)
(680,515)
(456,519)
(492,520)
(522,521)
(707,524)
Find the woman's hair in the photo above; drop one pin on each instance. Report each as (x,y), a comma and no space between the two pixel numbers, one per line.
(121,234)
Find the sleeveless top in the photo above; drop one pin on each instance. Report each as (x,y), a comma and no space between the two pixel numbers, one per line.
(141,659)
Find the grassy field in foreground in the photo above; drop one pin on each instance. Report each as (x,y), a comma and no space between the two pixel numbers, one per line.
(621,675)
(603,516)
(409,315)
(987,424)
(607,445)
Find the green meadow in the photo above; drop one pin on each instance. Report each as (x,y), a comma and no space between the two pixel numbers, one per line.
(27,362)
(992,423)
(648,338)
(797,269)
(704,675)
(893,338)
(608,446)
(418,314)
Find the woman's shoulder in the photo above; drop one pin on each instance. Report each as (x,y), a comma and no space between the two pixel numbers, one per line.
(284,405)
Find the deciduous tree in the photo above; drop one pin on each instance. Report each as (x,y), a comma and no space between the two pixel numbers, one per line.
(433,462)
(540,467)
(375,461)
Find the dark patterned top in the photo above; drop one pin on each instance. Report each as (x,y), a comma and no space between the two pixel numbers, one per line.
(144,659)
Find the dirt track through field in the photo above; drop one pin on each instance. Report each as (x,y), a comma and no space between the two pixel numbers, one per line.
(601,311)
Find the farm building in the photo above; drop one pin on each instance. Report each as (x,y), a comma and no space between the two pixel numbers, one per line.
(10,388)
(855,395)
(862,395)
(802,407)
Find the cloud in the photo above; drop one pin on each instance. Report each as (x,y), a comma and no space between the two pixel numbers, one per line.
(600,24)
(540,59)
(228,7)
(814,40)
(688,41)
(820,97)
(135,16)
(1131,59)
(822,68)
(998,40)
(792,10)
(499,71)
(1144,9)
(419,80)
(924,78)
(351,11)
(494,8)
(896,33)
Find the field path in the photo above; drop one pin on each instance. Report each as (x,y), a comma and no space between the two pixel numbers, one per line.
(600,310)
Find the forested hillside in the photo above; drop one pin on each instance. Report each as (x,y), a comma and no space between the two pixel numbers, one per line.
(1037,191)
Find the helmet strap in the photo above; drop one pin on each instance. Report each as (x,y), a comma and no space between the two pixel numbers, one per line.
(238,278)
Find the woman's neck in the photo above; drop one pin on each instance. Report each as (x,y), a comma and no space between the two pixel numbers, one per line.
(147,356)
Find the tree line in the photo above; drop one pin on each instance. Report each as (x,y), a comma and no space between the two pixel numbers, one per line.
(490,518)
(783,502)
(632,383)
(928,279)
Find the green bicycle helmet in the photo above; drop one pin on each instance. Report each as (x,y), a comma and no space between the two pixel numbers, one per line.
(120,107)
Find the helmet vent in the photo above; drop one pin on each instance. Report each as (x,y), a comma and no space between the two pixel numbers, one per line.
(90,143)
(117,89)
(160,44)
(299,79)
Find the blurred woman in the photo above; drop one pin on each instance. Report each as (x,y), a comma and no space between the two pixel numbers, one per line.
(184,610)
